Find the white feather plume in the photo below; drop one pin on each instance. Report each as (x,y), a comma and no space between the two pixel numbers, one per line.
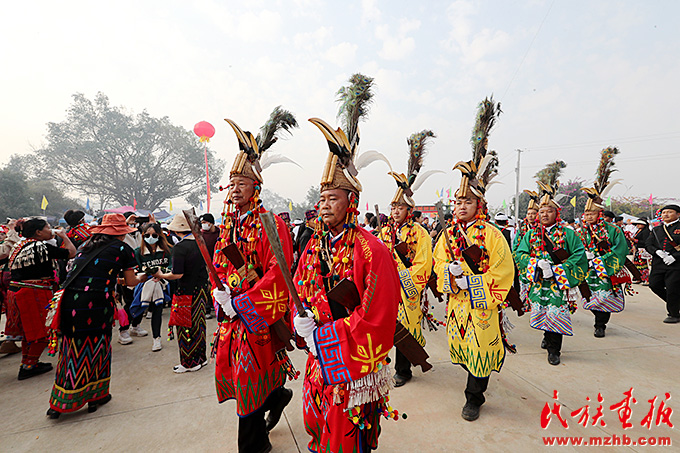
(422,177)
(368,157)
(271,159)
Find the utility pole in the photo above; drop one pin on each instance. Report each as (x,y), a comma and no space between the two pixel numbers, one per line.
(519,152)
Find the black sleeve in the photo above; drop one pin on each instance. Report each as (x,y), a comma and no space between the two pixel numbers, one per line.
(178,258)
(652,244)
(56,253)
(127,257)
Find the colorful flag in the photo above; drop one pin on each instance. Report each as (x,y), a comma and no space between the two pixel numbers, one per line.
(609,201)
(134,204)
(87,205)
(367,206)
(171,205)
(290,205)
(651,199)
(573,201)
(200,205)
(437,191)
(505,205)
(448,192)
(44,203)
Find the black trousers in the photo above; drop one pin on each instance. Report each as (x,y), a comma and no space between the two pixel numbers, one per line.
(553,341)
(601,318)
(252,429)
(401,365)
(475,388)
(665,283)
(156,319)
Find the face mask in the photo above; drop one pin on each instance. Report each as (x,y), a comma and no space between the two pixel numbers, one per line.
(205,226)
(52,241)
(151,240)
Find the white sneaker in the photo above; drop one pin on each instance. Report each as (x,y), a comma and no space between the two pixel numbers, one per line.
(138,332)
(156,344)
(208,316)
(124,337)
(148,315)
(181,369)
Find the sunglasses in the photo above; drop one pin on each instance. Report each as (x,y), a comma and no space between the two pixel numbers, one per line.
(152,235)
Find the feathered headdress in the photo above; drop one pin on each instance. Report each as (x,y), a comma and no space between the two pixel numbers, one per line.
(478,172)
(249,161)
(340,171)
(548,183)
(602,186)
(408,183)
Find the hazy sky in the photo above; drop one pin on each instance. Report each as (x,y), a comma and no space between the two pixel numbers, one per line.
(572,76)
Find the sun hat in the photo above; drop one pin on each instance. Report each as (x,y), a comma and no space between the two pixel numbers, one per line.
(112,224)
(179,224)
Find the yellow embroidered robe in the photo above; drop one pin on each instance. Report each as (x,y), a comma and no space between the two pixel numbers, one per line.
(472,325)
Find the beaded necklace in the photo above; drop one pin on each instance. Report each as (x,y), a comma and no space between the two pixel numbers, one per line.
(242,232)
(336,259)
(539,235)
(592,234)
(476,235)
(393,233)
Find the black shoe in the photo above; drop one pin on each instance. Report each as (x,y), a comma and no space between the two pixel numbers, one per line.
(52,414)
(553,359)
(39,368)
(276,411)
(671,320)
(92,405)
(400,380)
(544,344)
(599,332)
(470,412)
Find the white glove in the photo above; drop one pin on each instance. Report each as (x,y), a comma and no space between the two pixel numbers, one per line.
(462,283)
(661,254)
(304,326)
(590,255)
(544,264)
(668,259)
(224,299)
(546,268)
(455,269)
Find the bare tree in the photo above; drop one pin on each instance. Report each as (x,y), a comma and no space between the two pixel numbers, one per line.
(105,153)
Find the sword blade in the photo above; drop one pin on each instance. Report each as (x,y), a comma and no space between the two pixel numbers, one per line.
(269,225)
(193,222)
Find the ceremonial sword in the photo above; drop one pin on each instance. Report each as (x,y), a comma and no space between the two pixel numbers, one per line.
(269,225)
(193,222)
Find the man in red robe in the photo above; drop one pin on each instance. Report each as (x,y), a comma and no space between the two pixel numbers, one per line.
(252,363)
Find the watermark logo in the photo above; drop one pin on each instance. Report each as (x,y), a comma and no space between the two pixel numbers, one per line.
(657,414)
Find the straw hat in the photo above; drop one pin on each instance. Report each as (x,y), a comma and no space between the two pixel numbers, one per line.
(179,224)
(114,225)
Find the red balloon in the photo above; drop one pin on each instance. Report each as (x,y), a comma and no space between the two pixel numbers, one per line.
(204,129)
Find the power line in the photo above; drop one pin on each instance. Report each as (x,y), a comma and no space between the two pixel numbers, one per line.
(662,136)
(528,49)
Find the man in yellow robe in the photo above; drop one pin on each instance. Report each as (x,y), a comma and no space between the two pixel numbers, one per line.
(476,290)
(411,248)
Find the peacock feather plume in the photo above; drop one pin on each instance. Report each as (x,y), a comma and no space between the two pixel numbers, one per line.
(355,101)
(417,143)
(279,121)
(488,112)
(606,168)
(550,175)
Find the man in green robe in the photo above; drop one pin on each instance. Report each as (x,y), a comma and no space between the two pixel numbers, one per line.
(606,250)
(553,260)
